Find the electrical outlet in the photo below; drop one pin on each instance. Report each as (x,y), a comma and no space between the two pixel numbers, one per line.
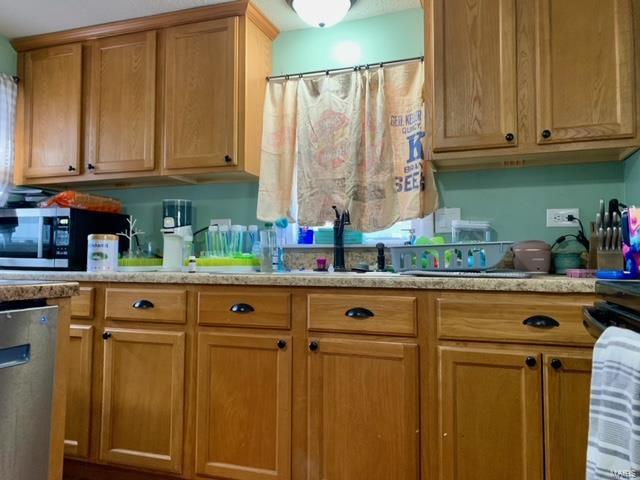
(557,217)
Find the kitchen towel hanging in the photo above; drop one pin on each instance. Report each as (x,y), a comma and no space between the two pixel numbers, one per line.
(345,154)
(614,417)
(8,98)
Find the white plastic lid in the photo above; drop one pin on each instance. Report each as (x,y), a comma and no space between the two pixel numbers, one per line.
(253,228)
(236,228)
(213,228)
(224,228)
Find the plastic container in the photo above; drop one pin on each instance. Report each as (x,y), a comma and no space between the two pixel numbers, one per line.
(305,236)
(268,244)
(236,244)
(176,213)
(470,231)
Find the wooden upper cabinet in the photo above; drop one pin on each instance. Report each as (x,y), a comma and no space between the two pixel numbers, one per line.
(79,377)
(52,111)
(122,104)
(143,399)
(585,70)
(567,385)
(243,413)
(475,99)
(490,414)
(200,95)
(362,410)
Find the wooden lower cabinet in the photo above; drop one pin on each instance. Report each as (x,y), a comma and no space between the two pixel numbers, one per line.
(78,417)
(490,414)
(243,413)
(529,409)
(143,399)
(567,382)
(363,410)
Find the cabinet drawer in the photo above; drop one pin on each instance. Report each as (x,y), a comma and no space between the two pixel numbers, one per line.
(384,315)
(262,310)
(513,318)
(82,304)
(146,305)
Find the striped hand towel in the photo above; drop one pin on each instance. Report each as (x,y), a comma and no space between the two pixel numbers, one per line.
(614,425)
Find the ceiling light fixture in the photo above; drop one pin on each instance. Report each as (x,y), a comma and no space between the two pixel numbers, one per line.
(321,13)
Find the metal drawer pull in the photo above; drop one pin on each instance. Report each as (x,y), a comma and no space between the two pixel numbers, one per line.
(541,321)
(242,308)
(143,304)
(359,313)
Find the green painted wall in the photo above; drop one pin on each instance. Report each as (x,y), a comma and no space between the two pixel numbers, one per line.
(515,200)
(389,37)
(8,57)
(632,179)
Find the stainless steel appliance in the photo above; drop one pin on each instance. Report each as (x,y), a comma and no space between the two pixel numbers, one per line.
(52,238)
(619,306)
(27,360)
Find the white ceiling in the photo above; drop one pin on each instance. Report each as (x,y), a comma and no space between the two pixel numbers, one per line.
(31,17)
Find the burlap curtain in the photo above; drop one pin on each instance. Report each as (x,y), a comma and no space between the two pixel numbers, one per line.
(356,140)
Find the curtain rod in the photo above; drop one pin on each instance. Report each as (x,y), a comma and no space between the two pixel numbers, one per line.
(344,69)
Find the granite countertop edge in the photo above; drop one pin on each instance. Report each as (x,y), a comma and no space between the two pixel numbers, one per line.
(543,284)
(38,288)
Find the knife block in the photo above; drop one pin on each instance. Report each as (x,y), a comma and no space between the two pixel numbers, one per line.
(610,260)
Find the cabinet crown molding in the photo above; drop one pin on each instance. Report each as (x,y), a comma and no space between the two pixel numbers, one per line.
(154,22)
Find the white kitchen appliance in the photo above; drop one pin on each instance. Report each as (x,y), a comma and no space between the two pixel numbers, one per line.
(177,233)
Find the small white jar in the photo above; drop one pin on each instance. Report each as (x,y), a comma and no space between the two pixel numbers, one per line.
(102,253)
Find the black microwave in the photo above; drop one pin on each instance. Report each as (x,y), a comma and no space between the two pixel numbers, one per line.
(53,238)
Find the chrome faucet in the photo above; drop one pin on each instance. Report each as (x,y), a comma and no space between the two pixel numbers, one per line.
(341,220)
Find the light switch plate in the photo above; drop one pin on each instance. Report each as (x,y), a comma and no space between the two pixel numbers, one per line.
(557,217)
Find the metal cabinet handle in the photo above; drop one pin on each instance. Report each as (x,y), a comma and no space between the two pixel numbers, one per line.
(313,346)
(509,137)
(556,364)
(242,308)
(282,344)
(228,159)
(143,304)
(71,168)
(107,335)
(91,166)
(359,313)
(531,362)
(546,134)
(541,321)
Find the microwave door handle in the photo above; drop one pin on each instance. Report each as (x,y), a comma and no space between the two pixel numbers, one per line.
(40,236)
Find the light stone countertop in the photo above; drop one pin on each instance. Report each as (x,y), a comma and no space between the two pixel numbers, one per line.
(30,289)
(542,284)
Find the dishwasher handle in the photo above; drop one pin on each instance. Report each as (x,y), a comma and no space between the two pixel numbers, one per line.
(15,356)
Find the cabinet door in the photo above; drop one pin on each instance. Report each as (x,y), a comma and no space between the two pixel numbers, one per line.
(567,383)
(585,70)
(143,399)
(243,424)
(200,95)
(475,99)
(123,96)
(78,417)
(490,405)
(53,100)
(362,410)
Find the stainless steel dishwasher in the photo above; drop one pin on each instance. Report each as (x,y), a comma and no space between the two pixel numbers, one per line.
(28,331)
